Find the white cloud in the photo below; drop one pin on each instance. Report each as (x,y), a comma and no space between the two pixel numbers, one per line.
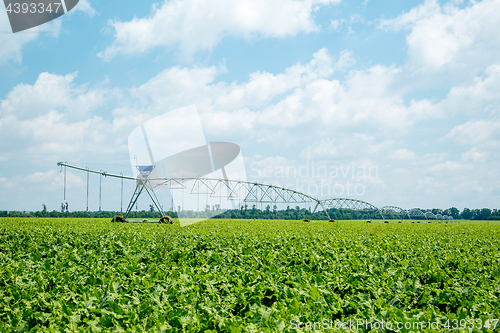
(268,108)
(337,24)
(12,44)
(447,37)
(30,191)
(54,178)
(449,166)
(476,132)
(263,87)
(303,110)
(472,185)
(303,96)
(325,148)
(408,20)
(51,134)
(50,92)
(273,107)
(480,96)
(181,83)
(432,158)
(86,7)
(269,100)
(403,154)
(345,60)
(54,117)
(474,155)
(199,25)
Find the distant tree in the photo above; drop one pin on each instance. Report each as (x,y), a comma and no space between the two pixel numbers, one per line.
(484,214)
(475,214)
(466,214)
(454,212)
(436,211)
(151,208)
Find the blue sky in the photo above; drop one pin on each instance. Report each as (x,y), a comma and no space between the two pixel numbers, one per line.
(406,94)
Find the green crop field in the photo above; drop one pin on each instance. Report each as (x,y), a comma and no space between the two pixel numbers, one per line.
(247,276)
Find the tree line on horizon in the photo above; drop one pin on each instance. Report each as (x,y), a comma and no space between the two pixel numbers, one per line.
(245,212)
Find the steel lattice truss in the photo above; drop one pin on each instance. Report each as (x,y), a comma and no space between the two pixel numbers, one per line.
(253,192)
(246,191)
(448,218)
(393,210)
(353,204)
(415,212)
(430,215)
(345,203)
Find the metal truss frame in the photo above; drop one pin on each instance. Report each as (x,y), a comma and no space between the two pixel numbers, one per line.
(254,192)
(415,212)
(448,218)
(394,210)
(143,183)
(429,215)
(346,203)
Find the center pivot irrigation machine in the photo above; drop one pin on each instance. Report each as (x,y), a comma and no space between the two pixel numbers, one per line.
(236,193)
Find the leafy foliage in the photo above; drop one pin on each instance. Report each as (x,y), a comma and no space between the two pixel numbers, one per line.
(241,275)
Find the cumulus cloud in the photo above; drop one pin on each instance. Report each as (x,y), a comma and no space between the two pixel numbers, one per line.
(447,37)
(51,92)
(403,154)
(304,110)
(449,166)
(272,107)
(51,134)
(474,155)
(199,25)
(301,94)
(85,7)
(337,24)
(325,148)
(12,44)
(476,132)
(479,96)
(54,117)
(408,20)
(268,108)
(54,178)
(30,191)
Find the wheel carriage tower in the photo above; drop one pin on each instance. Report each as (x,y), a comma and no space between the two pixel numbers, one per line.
(143,184)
